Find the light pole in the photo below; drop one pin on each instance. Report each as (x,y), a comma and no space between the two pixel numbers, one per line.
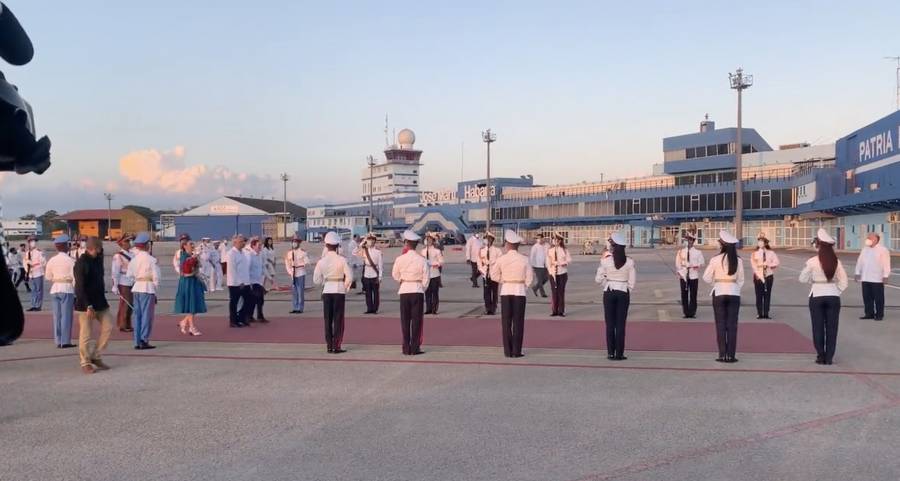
(739,82)
(108,214)
(896,59)
(371,162)
(489,138)
(284,178)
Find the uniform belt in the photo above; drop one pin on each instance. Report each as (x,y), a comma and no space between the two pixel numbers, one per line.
(334,279)
(410,280)
(513,282)
(63,281)
(823,282)
(143,279)
(726,281)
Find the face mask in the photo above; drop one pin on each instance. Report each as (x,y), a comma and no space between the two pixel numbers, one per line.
(370,243)
(869,243)
(760,244)
(32,244)
(295,244)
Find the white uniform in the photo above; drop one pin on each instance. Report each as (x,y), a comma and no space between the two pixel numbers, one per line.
(411,272)
(812,273)
(610,278)
(34,263)
(377,259)
(688,262)
(435,259)
(295,261)
(333,273)
(59,271)
(119,269)
(513,272)
(558,260)
(874,264)
(486,262)
(268,257)
(473,247)
(144,269)
(215,277)
(764,262)
(206,268)
(722,283)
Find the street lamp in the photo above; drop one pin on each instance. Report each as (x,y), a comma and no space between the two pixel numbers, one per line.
(284,178)
(371,162)
(739,82)
(108,214)
(489,138)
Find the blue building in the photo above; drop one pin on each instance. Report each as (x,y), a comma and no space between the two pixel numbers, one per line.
(788,193)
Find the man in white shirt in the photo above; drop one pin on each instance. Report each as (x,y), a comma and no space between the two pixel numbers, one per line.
(34,271)
(59,272)
(873,268)
(237,278)
(373,270)
(688,261)
(223,257)
(513,272)
(295,261)
(435,260)
(487,257)
(143,268)
(473,248)
(537,258)
(122,284)
(215,262)
(333,273)
(411,271)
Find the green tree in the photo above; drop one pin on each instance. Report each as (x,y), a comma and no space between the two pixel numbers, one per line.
(50,222)
(146,212)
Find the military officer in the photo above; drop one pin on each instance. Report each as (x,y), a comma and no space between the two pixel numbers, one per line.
(688,261)
(725,272)
(143,268)
(122,284)
(334,274)
(435,260)
(59,272)
(34,272)
(616,276)
(828,278)
(514,274)
(558,260)
(295,261)
(763,261)
(411,271)
(373,271)
(487,257)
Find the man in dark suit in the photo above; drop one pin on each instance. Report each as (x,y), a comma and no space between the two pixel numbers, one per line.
(90,304)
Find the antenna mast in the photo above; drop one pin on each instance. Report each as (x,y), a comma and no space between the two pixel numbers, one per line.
(896,59)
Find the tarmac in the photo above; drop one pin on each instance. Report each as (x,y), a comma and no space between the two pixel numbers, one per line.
(267,402)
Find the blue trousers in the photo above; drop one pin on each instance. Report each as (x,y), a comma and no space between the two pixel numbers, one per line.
(63,305)
(299,295)
(142,320)
(37,292)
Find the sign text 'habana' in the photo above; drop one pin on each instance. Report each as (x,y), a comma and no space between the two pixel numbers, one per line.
(877,145)
(475,192)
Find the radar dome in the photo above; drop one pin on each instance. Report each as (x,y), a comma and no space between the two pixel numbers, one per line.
(406,137)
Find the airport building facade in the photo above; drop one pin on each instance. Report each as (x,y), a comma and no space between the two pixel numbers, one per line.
(847,188)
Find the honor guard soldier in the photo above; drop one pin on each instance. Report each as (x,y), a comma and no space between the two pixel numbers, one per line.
(725,273)
(873,268)
(514,274)
(473,248)
(828,278)
(688,262)
(143,268)
(295,261)
(486,259)
(373,270)
(34,273)
(538,260)
(333,273)
(763,261)
(411,271)
(122,284)
(558,260)
(616,276)
(61,275)
(215,262)
(435,260)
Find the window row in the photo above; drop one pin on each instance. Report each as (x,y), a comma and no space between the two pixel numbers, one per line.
(757,199)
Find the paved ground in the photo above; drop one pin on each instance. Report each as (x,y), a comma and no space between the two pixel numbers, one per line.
(230,406)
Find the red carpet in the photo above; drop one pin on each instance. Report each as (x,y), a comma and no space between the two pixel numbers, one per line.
(753,337)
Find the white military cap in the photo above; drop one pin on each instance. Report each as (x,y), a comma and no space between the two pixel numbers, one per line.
(823,236)
(727,237)
(512,237)
(762,235)
(618,238)
(332,238)
(690,235)
(411,236)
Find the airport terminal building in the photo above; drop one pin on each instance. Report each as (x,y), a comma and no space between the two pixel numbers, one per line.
(847,188)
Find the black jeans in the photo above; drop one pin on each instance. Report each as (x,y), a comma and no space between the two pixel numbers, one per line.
(333,310)
(873,299)
(239,294)
(432,295)
(373,293)
(763,295)
(558,293)
(825,312)
(540,278)
(491,291)
(475,274)
(412,310)
(259,298)
(726,310)
(512,323)
(689,296)
(615,311)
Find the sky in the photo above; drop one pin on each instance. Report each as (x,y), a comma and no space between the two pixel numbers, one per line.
(170,103)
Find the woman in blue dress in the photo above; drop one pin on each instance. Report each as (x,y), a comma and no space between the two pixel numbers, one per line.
(190,297)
